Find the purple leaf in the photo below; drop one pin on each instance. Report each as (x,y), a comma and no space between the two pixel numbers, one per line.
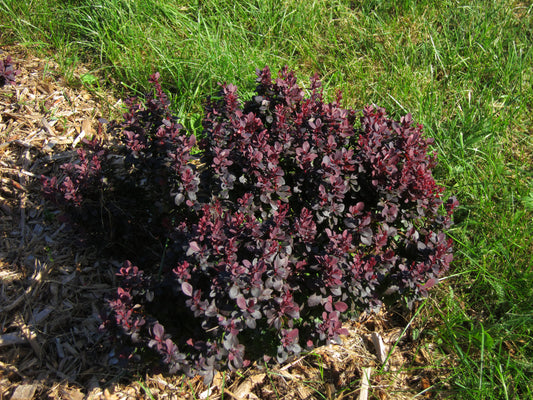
(430,283)
(158,331)
(341,306)
(314,300)
(186,288)
(241,302)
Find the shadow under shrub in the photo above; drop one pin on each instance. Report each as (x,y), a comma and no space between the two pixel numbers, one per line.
(281,222)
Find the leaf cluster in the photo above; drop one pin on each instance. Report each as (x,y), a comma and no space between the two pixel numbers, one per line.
(7,72)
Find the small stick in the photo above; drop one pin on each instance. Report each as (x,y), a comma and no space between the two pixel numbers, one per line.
(380,347)
(365,385)
(10,339)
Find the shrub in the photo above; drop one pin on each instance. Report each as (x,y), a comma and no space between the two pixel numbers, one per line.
(285,219)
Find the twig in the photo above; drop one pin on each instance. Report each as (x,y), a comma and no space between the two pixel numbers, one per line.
(14,304)
(380,347)
(365,383)
(11,339)
(292,363)
(30,336)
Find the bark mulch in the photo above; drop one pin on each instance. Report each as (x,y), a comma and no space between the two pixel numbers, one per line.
(52,289)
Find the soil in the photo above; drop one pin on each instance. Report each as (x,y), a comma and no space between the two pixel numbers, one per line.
(52,290)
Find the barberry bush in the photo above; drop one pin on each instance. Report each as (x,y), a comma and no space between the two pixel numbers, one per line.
(287,216)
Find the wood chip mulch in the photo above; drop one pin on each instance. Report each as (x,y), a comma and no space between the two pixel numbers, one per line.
(52,290)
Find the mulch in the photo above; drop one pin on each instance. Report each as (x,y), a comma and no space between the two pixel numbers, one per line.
(52,289)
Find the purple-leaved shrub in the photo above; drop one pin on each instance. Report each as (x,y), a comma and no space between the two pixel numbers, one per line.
(283,220)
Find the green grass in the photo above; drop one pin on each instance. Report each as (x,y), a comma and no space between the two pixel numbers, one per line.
(462,68)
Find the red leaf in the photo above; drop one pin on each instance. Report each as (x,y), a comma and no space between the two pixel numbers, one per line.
(341,306)
(241,302)
(430,283)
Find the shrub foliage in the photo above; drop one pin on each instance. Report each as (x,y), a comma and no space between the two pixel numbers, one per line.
(285,218)
(7,72)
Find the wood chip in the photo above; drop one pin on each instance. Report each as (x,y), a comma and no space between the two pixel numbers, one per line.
(243,392)
(71,394)
(11,339)
(30,335)
(41,315)
(381,352)
(46,126)
(304,392)
(86,130)
(25,392)
(365,383)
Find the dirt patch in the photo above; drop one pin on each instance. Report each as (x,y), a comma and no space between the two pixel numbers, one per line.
(53,288)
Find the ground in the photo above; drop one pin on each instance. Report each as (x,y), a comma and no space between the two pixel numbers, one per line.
(52,290)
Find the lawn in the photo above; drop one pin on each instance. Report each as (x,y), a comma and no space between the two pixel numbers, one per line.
(462,69)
